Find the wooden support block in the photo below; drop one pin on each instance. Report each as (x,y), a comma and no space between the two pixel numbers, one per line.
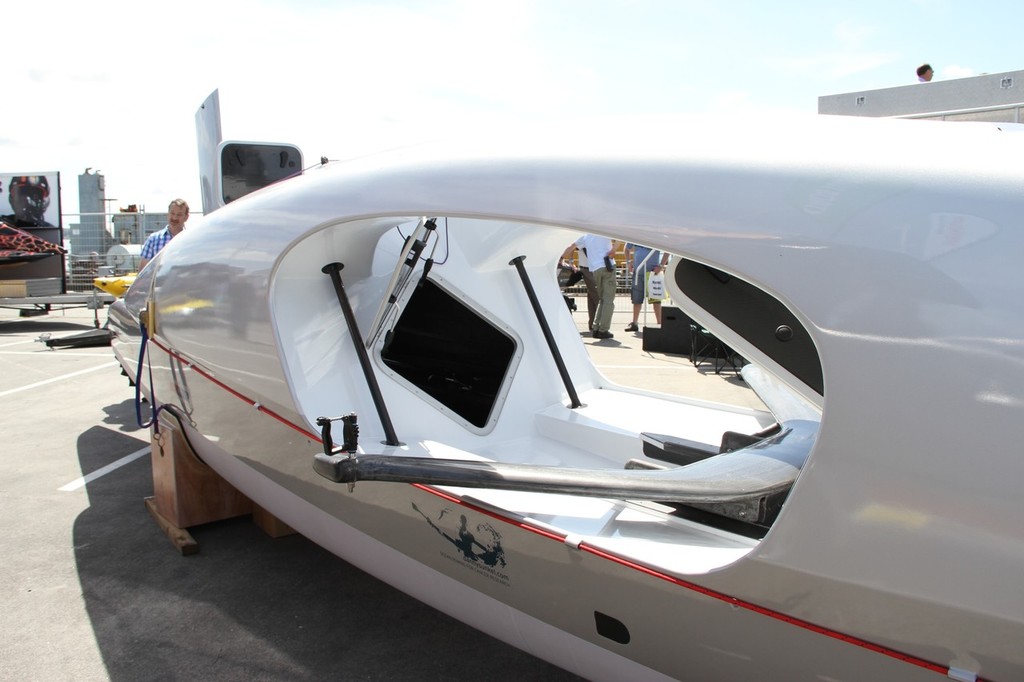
(270,524)
(179,537)
(186,491)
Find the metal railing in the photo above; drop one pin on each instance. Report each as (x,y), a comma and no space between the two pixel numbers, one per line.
(105,244)
(998,113)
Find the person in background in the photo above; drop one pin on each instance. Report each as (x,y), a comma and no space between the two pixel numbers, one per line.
(639,261)
(600,253)
(924,73)
(588,278)
(177,214)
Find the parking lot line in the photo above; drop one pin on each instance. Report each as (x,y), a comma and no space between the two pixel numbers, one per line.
(105,365)
(103,471)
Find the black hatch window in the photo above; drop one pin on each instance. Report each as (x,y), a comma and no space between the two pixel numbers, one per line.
(449,352)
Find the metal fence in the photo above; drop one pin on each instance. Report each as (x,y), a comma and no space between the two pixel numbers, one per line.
(104,244)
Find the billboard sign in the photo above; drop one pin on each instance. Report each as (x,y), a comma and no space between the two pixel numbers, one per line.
(31,202)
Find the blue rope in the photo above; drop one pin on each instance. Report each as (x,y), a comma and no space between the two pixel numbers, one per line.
(138,385)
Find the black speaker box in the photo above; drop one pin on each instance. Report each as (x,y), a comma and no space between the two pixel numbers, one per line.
(672,337)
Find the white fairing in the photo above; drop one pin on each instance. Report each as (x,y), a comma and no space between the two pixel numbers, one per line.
(893,244)
(208,137)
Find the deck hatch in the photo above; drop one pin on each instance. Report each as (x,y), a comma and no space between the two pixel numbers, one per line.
(449,352)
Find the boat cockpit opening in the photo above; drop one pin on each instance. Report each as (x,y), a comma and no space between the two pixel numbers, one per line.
(726,469)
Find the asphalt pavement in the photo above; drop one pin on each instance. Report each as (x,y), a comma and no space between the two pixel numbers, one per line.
(93,590)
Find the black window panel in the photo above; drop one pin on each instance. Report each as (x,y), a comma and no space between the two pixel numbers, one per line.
(247,167)
(756,316)
(449,352)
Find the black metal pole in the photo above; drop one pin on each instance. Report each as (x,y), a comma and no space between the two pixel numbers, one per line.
(334,270)
(532,295)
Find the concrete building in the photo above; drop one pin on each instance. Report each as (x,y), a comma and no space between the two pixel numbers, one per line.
(89,234)
(997,97)
(101,242)
(133,226)
(97,230)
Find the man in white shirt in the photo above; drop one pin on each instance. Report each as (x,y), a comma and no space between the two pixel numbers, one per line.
(601,258)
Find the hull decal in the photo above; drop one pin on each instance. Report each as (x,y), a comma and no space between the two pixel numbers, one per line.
(714,594)
(480,551)
(584,547)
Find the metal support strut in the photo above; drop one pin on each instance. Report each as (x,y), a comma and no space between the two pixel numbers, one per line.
(334,271)
(552,346)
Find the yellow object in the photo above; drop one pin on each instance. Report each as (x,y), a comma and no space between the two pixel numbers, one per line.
(116,286)
(148,317)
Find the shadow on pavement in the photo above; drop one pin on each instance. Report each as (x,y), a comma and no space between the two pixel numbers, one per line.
(249,607)
(123,416)
(34,325)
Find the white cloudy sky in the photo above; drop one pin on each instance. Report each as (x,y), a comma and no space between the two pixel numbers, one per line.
(115,85)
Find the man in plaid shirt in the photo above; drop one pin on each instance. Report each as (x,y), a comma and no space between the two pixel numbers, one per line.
(177,214)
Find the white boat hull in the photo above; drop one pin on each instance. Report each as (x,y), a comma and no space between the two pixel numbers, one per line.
(897,550)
